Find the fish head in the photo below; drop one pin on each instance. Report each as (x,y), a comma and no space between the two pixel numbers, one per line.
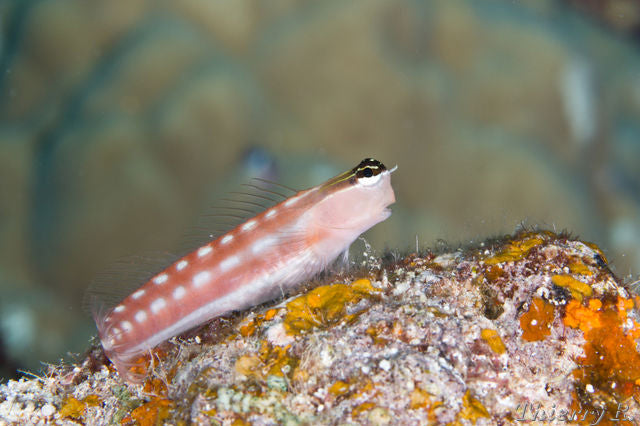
(356,200)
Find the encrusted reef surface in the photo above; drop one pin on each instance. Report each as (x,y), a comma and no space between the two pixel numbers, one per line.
(121,121)
(530,327)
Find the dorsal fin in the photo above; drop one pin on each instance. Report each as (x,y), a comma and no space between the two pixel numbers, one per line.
(261,189)
(234,209)
(272,183)
(121,278)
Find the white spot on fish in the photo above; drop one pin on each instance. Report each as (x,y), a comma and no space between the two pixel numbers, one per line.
(179,293)
(126,326)
(270,213)
(161,279)
(226,239)
(119,308)
(229,263)
(262,244)
(291,201)
(141,316)
(203,251)
(157,305)
(249,225)
(138,294)
(181,265)
(201,278)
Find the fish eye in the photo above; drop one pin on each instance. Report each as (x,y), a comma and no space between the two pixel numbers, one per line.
(368,176)
(368,172)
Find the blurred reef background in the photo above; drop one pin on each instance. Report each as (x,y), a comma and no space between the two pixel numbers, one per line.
(120,122)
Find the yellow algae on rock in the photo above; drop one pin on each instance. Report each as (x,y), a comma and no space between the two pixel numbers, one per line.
(610,366)
(577,288)
(365,406)
(536,322)
(339,388)
(277,360)
(72,408)
(249,328)
(623,306)
(75,409)
(270,314)
(153,412)
(249,365)
(584,318)
(517,249)
(580,268)
(363,285)
(270,361)
(92,400)
(493,340)
(472,408)
(418,399)
(325,305)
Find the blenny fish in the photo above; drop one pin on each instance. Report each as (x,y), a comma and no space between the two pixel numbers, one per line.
(251,264)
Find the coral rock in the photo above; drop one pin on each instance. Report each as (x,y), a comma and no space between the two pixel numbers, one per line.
(523,328)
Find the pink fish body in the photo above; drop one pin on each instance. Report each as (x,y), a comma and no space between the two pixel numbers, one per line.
(251,264)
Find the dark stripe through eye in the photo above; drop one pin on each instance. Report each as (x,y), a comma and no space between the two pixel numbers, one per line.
(368,168)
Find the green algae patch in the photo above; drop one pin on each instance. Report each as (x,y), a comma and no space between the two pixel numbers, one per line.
(325,306)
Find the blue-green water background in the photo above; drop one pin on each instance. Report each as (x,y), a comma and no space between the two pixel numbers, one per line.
(120,122)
